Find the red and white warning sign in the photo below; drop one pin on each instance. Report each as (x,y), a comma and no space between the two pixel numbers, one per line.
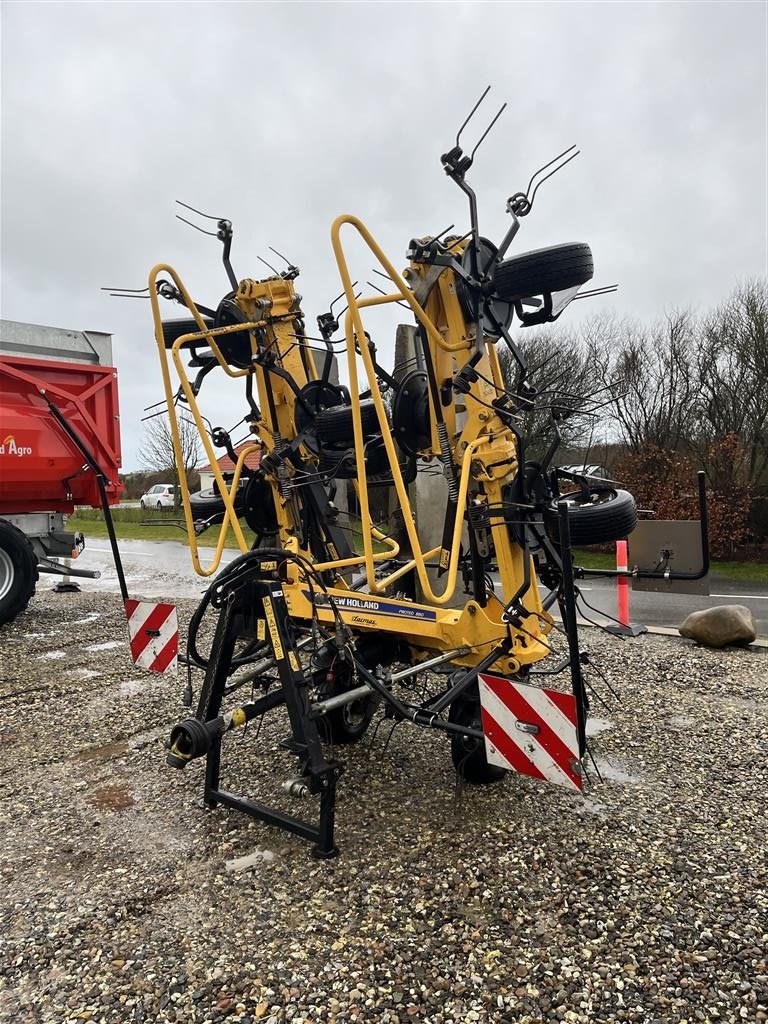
(531,730)
(154,634)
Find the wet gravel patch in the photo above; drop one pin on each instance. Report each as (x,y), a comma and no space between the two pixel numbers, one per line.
(122,900)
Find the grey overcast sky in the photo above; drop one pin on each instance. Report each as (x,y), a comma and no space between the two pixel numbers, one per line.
(281,116)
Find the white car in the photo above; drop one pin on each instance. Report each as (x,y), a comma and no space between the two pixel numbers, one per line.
(159,496)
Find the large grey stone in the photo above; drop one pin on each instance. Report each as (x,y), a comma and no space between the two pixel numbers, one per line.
(720,626)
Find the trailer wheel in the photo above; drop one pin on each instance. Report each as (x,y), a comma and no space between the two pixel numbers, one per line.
(467,753)
(604,516)
(553,269)
(18,571)
(347,724)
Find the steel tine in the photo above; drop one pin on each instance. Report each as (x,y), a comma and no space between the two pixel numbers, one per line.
(594,762)
(345,308)
(548,176)
(354,285)
(200,213)
(382,292)
(273,269)
(553,161)
(482,137)
(117,288)
(596,694)
(213,234)
(608,289)
(389,737)
(471,113)
(283,258)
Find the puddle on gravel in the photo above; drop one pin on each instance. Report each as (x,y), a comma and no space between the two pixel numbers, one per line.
(115,797)
(587,806)
(613,773)
(109,645)
(740,703)
(90,617)
(131,687)
(84,673)
(51,655)
(597,725)
(103,753)
(681,722)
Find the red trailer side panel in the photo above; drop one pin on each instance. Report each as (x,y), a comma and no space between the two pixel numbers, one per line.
(41,469)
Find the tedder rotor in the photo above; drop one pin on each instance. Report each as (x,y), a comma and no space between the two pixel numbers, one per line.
(332,623)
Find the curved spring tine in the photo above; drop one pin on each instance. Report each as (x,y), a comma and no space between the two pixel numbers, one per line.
(553,161)
(213,234)
(273,269)
(493,122)
(554,171)
(283,258)
(471,113)
(116,288)
(382,292)
(354,285)
(200,213)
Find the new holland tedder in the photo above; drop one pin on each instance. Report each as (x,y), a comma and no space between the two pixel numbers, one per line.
(333,630)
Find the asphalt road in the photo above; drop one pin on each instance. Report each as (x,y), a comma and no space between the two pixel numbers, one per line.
(659,609)
(164,569)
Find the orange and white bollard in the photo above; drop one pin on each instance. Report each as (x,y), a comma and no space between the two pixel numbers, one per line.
(623,626)
(623,582)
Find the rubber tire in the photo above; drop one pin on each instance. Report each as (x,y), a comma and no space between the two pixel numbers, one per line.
(209,502)
(335,727)
(159,505)
(612,518)
(553,269)
(468,755)
(143,506)
(334,425)
(24,564)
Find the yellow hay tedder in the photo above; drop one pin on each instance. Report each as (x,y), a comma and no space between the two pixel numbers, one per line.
(333,622)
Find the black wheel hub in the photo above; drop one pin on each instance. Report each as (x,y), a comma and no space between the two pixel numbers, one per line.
(410,413)
(317,397)
(493,310)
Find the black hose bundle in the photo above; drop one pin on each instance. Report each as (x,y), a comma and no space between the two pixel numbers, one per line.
(235,568)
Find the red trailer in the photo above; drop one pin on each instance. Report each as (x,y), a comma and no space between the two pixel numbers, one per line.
(59,447)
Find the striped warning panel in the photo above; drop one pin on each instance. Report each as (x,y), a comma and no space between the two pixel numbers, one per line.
(531,730)
(154,633)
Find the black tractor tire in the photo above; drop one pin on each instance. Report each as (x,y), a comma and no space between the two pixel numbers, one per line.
(554,269)
(18,571)
(468,754)
(608,515)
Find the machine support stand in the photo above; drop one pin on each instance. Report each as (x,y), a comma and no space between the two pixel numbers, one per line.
(244,608)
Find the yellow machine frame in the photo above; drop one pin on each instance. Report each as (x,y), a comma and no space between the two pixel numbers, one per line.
(483,447)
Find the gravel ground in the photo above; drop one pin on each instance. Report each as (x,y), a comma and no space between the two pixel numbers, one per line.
(646,901)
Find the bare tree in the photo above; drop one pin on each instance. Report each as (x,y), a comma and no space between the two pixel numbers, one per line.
(732,376)
(654,406)
(157,450)
(562,369)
